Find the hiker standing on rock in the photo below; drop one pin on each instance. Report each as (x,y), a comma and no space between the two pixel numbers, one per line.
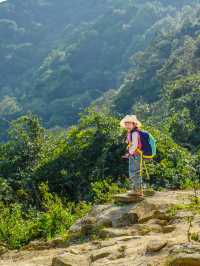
(141,146)
(133,125)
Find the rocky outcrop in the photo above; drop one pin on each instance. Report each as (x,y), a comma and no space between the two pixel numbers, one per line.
(137,233)
(117,216)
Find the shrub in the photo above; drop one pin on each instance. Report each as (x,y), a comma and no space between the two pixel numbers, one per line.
(102,191)
(16,227)
(172,164)
(81,209)
(56,218)
(19,226)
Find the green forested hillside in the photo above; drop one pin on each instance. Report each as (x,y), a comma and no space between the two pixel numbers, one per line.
(163,88)
(57,57)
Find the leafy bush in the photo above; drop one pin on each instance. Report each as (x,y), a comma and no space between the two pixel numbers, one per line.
(88,152)
(81,209)
(5,191)
(16,227)
(19,226)
(102,191)
(56,218)
(172,164)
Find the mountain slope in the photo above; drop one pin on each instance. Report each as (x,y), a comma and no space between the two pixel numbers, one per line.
(57,57)
(163,88)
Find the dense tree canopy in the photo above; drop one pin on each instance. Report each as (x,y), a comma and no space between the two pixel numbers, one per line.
(56,57)
(163,88)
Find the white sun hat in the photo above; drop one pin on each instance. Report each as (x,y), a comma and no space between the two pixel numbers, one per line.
(132,119)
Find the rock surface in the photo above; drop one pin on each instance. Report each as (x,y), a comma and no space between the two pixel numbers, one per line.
(187,254)
(71,260)
(127,198)
(134,234)
(155,245)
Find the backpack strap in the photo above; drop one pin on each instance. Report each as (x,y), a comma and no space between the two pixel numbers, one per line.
(139,140)
(139,148)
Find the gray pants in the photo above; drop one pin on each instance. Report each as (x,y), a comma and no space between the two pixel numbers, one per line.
(135,178)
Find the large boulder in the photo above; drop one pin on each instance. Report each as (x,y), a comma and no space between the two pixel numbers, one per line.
(111,215)
(88,222)
(83,226)
(67,259)
(107,216)
(155,245)
(125,219)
